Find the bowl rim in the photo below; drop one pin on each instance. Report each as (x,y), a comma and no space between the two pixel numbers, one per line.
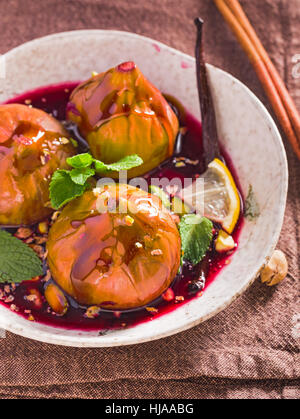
(94,341)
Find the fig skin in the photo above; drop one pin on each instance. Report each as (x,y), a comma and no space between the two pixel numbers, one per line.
(120,113)
(114,260)
(31,150)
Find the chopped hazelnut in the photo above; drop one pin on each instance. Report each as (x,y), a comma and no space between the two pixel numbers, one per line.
(43,227)
(276,269)
(152,309)
(92,312)
(23,233)
(224,242)
(156,252)
(129,220)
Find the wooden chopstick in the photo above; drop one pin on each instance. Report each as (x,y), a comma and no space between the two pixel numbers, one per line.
(272,83)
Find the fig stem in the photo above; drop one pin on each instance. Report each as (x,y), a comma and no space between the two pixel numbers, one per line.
(211,148)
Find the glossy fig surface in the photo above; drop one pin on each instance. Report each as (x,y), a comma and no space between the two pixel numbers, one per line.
(111,259)
(32,146)
(120,113)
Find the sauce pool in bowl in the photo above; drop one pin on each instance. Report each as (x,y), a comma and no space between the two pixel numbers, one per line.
(27,298)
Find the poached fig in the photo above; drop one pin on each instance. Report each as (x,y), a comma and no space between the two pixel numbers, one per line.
(120,113)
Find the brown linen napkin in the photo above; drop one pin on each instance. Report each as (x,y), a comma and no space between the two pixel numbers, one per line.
(251,348)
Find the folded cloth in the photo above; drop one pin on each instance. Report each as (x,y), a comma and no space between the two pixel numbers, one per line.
(251,349)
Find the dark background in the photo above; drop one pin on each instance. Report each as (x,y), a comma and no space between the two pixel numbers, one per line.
(249,350)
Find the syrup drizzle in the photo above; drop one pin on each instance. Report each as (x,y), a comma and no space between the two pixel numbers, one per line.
(187,285)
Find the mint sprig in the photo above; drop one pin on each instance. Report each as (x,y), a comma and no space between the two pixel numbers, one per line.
(69,184)
(18,262)
(126,163)
(196,236)
(63,189)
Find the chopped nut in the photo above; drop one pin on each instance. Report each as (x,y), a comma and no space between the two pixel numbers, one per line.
(9,299)
(64,140)
(92,312)
(180,164)
(35,298)
(138,245)
(129,220)
(30,297)
(224,242)
(39,250)
(47,276)
(55,215)
(43,227)
(156,252)
(179,298)
(97,191)
(152,309)
(276,269)
(40,240)
(192,162)
(7,289)
(23,233)
(48,203)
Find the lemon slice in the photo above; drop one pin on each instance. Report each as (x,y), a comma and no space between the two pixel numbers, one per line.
(221,200)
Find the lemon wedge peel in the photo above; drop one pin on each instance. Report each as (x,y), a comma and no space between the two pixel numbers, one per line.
(230,220)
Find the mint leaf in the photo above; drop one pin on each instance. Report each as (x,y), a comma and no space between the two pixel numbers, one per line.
(126,163)
(100,166)
(80,176)
(66,185)
(196,236)
(63,189)
(80,161)
(18,262)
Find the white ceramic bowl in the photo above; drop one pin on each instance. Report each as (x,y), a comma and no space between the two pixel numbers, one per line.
(246,130)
